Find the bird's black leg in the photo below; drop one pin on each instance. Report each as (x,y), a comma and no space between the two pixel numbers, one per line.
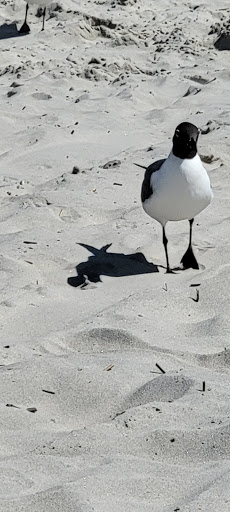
(27,8)
(25,29)
(165,242)
(43,18)
(189,260)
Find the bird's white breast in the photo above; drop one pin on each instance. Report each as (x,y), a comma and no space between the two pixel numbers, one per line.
(181,190)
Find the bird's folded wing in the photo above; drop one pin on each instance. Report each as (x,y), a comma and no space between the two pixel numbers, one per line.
(146,190)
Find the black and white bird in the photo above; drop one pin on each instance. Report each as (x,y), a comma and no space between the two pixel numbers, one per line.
(25,29)
(178,187)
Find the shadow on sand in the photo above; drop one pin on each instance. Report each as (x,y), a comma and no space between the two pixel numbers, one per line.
(9,30)
(110,264)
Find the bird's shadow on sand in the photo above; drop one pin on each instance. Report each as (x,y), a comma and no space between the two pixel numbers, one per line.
(8,30)
(109,264)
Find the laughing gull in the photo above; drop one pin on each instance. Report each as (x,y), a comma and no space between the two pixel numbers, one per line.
(178,187)
(25,29)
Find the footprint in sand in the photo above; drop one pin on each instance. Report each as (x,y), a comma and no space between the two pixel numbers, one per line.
(41,96)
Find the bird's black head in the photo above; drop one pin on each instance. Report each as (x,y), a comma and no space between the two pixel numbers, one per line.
(185,140)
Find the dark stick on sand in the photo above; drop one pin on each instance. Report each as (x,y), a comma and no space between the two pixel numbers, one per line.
(159,367)
(203,386)
(139,165)
(197,296)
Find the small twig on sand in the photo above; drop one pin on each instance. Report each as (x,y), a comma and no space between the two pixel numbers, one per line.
(159,367)
(118,414)
(108,368)
(139,165)
(212,80)
(197,298)
(12,405)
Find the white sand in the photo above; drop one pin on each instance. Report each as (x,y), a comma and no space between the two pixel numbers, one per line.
(128,439)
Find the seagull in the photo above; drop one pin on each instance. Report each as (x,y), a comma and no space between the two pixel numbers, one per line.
(178,188)
(25,29)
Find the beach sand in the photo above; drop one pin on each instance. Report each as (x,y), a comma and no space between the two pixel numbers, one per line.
(88,421)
